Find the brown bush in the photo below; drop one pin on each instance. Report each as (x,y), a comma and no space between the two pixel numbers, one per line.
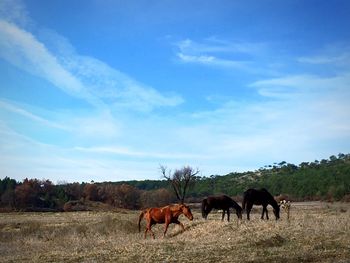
(346,198)
(71,206)
(156,198)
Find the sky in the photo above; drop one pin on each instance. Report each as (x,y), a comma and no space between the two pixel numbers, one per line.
(102,90)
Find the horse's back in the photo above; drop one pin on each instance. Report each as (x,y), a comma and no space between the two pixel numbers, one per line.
(169,212)
(220,201)
(257,196)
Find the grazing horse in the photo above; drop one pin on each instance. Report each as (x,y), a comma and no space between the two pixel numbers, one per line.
(165,215)
(220,202)
(260,197)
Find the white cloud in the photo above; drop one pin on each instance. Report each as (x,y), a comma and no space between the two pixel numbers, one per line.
(302,85)
(340,59)
(11,107)
(196,59)
(111,85)
(22,49)
(139,154)
(211,61)
(336,55)
(82,77)
(215,45)
(228,55)
(15,11)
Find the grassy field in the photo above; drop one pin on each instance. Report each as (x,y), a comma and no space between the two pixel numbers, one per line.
(316,232)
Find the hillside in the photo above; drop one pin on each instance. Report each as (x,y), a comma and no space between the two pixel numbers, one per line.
(325,179)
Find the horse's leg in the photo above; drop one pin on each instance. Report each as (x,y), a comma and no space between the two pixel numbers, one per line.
(146,230)
(239,214)
(249,208)
(228,215)
(166,227)
(267,213)
(149,228)
(152,233)
(223,215)
(207,211)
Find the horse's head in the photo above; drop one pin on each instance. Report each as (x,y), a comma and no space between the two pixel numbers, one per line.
(276,212)
(187,211)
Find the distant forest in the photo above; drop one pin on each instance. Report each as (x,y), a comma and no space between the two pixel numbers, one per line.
(328,179)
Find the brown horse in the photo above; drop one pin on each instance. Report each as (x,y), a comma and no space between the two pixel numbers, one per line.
(165,215)
(260,197)
(220,202)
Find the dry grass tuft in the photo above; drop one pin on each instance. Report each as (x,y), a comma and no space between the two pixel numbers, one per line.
(274,241)
(316,232)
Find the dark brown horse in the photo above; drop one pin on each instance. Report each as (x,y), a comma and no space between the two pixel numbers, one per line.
(165,215)
(220,202)
(260,197)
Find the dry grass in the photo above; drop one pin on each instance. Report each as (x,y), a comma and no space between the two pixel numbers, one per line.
(316,232)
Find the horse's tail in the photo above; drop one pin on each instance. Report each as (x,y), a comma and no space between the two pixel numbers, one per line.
(204,208)
(140,218)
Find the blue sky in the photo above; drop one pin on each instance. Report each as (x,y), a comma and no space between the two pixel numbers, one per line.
(110,90)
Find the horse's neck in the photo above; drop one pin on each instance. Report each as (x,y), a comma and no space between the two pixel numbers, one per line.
(273,203)
(174,210)
(233,204)
(177,213)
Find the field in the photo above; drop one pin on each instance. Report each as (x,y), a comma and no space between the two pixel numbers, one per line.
(316,232)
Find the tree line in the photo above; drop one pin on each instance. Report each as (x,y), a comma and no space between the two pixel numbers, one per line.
(328,179)
(43,195)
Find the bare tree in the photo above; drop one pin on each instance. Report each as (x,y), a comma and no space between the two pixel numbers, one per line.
(181,180)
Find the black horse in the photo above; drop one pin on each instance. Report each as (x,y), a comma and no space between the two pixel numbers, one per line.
(220,202)
(260,197)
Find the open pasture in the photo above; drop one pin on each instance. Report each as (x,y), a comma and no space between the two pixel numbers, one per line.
(316,232)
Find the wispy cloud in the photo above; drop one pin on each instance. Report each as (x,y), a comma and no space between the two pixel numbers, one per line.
(211,61)
(82,77)
(208,53)
(340,59)
(219,46)
(219,53)
(15,11)
(336,55)
(302,84)
(11,107)
(23,50)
